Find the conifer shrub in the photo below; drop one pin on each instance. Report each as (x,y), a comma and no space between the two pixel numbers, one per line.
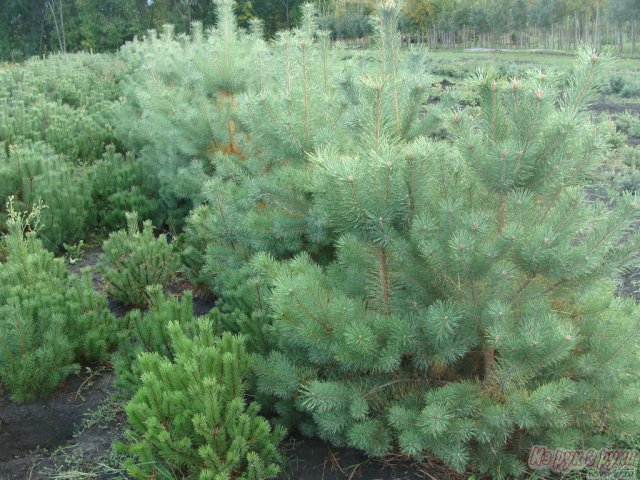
(33,172)
(135,259)
(121,183)
(625,169)
(45,100)
(90,324)
(180,108)
(259,200)
(294,105)
(148,332)
(77,80)
(470,310)
(264,202)
(202,427)
(631,90)
(629,124)
(293,110)
(49,319)
(614,85)
(217,242)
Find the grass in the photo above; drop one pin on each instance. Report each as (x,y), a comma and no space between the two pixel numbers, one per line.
(456,65)
(107,415)
(538,58)
(70,465)
(76,462)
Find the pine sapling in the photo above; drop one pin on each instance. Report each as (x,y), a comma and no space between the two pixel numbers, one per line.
(202,429)
(49,318)
(134,259)
(470,311)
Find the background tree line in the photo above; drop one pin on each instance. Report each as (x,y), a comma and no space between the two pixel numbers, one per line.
(37,27)
(561,24)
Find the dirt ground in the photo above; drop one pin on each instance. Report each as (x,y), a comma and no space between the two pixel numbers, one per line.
(36,438)
(609,107)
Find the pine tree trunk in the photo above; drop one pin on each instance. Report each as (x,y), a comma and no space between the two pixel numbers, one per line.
(620,41)
(64,38)
(597,26)
(51,6)
(489,361)
(43,10)
(633,37)
(546,39)
(586,29)
(576,30)
(285,3)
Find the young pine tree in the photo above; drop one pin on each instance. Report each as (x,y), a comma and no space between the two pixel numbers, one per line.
(33,172)
(259,200)
(180,108)
(264,202)
(148,332)
(49,318)
(45,99)
(121,183)
(134,259)
(470,312)
(189,418)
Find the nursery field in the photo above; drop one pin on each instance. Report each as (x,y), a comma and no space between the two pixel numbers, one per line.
(229,258)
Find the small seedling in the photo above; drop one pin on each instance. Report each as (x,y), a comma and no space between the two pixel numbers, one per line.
(74,251)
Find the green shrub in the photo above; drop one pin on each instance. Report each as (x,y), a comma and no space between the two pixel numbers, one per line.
(33,172)
(261,202)
(181,100)
(189,419)
(90,324)
(627,180)
(624,174)
(622,86)
(134,259)
(631,90)
(470,312)
(448,69)
(148,332)
(49,319)
(65,100)
(264,202)
(629,123)
(614,85)
(122,183)
(630,156)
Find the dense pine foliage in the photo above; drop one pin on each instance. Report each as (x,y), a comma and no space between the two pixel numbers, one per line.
(395,268)
(201,428)
(134,260)
(49,319)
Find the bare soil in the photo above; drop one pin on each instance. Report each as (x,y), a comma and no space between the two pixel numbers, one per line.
(609,107)
(31,432)
(313,459)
